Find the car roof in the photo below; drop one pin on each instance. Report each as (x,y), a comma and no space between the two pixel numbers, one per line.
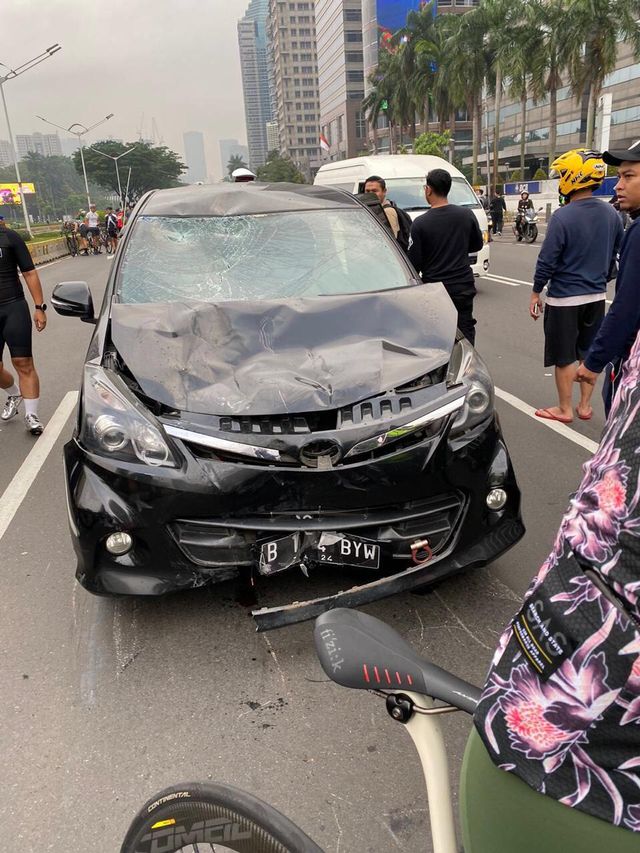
(244,199)
(390,166)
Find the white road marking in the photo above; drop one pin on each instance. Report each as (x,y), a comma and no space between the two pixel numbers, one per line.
(18,488)
(556,426)
(515,282)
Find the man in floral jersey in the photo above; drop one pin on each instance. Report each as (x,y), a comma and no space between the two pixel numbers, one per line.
(561,705)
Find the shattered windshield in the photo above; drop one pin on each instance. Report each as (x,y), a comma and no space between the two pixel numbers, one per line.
(265,256)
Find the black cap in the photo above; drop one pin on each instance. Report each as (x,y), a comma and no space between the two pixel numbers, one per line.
(615,158)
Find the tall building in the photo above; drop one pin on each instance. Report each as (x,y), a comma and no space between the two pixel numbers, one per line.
(292,36)
(6,153)
(341,76)
(273,136)
(256,76)
(45,144)
(70,145)
(194,156)
(231,148)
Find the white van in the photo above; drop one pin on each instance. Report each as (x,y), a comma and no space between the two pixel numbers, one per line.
(405,177)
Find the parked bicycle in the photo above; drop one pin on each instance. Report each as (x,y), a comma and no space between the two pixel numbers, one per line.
(498,812)
(72,243)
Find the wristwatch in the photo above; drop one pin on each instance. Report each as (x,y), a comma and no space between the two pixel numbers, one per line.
(42,307)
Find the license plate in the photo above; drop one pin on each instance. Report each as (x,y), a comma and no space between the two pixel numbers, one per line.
(341,550)
(278,555)
(336,549)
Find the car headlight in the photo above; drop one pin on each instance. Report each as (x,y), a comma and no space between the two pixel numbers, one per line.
(116,424)
(467,367)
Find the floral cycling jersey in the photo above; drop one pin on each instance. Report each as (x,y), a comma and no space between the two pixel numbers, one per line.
(561,705)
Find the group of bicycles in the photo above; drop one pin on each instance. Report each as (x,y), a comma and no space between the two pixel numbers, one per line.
(91,244)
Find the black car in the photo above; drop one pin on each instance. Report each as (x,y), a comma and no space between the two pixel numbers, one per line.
(269,387)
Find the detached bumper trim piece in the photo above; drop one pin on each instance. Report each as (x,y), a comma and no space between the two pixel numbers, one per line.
(491,546)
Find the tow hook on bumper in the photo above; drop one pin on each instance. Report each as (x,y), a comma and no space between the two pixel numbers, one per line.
(421,552)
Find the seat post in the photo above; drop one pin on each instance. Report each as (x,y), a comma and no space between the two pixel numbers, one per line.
(426,733)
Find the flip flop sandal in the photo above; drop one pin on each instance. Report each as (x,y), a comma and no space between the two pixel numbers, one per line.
(584,417)
(548,415)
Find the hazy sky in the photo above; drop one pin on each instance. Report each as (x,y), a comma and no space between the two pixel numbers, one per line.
(173,60)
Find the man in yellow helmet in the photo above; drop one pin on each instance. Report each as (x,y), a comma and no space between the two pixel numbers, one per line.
(576,260)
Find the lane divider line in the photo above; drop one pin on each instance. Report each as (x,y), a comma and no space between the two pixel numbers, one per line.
(515,282)
(556,426)
(26,474)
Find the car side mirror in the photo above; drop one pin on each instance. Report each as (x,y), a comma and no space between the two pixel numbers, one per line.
(73,299)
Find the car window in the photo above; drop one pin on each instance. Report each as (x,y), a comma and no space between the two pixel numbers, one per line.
(408,193)
(266,256)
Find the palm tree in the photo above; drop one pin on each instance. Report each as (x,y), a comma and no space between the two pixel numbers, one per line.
(372,107)
(556,49)
(466,70)
(236,161)
(597,26)
(525,67)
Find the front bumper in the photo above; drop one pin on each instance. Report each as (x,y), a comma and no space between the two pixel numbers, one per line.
(203,523)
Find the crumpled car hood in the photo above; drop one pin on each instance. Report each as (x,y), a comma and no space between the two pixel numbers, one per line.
(277,357)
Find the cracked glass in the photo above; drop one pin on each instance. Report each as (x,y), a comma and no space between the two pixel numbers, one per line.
(263,256)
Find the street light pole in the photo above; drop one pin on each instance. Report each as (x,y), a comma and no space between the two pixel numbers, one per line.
(11,73)
(79,133)
(115,160)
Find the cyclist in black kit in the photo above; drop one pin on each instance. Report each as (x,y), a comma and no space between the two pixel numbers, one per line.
(15,328)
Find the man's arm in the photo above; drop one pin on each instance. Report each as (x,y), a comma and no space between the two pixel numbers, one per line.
(476,240)
(32,279)
(623,318)
(415,249)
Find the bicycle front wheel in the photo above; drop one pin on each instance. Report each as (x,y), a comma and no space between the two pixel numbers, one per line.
(212,818)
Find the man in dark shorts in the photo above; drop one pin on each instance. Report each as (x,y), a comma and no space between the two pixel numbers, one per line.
(577,259)
(15,329)
(442,239)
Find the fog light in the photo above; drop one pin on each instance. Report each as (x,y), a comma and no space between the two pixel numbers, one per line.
(119,544)
(496,499)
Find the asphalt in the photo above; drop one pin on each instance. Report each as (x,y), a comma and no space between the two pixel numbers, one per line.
(106,701)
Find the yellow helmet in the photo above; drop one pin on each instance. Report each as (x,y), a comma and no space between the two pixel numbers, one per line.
(578,170)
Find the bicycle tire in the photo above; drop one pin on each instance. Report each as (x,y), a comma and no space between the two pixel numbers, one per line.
(213,818)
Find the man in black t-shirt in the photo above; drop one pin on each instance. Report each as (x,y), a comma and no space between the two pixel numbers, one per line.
(442,239)
(15,328)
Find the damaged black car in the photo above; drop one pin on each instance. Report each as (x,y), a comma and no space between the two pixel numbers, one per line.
(270,388)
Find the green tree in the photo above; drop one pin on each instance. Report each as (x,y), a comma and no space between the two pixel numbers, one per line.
(597,26)
(152,167)
(278,168)
(55,180)
(525,66)
(434,144)
(556,51)
(236,161)
(467,69)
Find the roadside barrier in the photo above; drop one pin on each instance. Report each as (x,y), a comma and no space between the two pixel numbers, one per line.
(48,250)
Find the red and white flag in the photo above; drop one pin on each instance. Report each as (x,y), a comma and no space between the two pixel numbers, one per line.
(324,143)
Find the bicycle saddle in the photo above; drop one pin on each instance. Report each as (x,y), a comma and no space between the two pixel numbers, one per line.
(360,651)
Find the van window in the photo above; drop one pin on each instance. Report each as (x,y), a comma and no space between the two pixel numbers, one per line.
(408,193)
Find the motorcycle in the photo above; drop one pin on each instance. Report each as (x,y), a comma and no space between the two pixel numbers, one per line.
(528,226)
